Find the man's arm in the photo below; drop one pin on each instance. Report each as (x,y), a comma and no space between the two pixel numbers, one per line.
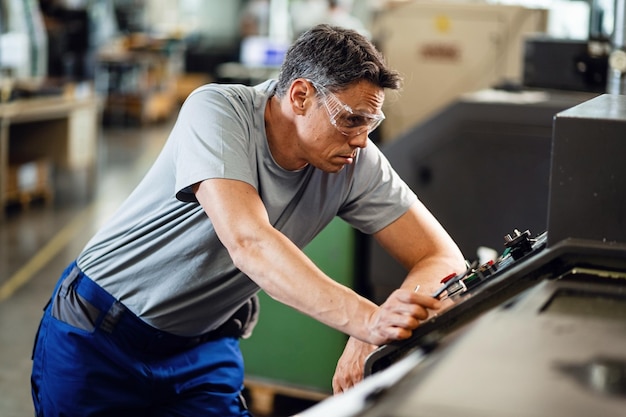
(419,242)
(425,249)
(286,274)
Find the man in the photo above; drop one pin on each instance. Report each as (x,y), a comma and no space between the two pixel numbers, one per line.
(147,320)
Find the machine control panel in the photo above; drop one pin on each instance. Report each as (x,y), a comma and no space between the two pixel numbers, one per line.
(517,245)
(471,291)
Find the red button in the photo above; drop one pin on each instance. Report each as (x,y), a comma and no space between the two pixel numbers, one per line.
(448,278)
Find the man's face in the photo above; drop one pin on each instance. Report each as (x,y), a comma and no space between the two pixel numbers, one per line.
(336,125)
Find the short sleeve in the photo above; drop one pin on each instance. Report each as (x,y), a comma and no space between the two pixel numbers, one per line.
(211,140)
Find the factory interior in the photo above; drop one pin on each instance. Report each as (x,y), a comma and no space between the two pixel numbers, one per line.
(510,127)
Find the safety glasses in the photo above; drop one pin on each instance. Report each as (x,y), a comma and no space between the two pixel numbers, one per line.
(347,121)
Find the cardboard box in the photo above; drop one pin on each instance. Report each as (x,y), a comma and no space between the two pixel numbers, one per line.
(28,180)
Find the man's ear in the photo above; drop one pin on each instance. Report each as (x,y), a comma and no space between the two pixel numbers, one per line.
(300,94)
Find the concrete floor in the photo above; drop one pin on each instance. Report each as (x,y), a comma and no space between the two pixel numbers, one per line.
(38,242)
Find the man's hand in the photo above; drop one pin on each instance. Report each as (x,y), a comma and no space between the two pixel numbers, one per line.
(395,319)
(350,366)
(399,315)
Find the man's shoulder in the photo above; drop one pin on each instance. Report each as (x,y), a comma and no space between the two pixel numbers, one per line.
(237,91)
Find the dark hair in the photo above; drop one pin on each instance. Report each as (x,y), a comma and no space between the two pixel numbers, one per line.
(335,58)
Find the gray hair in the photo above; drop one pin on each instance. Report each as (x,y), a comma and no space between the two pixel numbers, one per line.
(335,58)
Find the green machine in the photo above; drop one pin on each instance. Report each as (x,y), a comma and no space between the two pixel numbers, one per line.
(289,348)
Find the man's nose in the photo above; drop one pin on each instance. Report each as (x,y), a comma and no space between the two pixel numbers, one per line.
(360,140)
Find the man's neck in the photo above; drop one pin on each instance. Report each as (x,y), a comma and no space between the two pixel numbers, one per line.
(281,136)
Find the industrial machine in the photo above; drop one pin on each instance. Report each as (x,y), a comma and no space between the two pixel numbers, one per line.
(481,166)
(446,48)
(541,330)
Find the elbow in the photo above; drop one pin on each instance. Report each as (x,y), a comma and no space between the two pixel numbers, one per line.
(241,252)
(241,246)
(247,254)
(456,260)
(238,258)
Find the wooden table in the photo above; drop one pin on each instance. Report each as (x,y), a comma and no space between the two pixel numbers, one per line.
(59,128)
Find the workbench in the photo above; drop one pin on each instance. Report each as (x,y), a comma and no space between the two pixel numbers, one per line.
(60,129)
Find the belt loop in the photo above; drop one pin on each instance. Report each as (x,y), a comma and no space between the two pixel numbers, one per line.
(68,281)
(112,317)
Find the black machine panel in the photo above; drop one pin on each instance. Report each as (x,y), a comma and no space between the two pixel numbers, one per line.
(545,337)
(588,180)
(565,64)
(555,350)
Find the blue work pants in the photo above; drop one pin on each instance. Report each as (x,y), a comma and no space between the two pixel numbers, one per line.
(93,357)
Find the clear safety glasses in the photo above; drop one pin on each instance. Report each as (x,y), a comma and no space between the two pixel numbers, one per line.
(347,121)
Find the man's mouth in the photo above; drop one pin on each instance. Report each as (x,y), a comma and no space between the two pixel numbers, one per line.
(349,159)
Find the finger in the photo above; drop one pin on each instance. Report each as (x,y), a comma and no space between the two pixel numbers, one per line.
(405,296)
(346,378)
(428,301)
(396,314)
(391,333)
(341,385)
(338,382)
(337,387)
(418,312)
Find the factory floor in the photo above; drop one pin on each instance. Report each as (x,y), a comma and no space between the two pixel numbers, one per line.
(38,240)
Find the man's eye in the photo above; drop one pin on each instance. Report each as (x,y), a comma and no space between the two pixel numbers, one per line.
(354,120)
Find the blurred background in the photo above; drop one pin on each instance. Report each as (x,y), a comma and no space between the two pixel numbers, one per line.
(90,88)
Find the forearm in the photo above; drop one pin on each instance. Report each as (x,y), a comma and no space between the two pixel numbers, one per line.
(286,274)
(423,247)
(277,265)
(426,275)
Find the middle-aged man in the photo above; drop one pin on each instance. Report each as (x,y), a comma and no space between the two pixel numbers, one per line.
(147,320)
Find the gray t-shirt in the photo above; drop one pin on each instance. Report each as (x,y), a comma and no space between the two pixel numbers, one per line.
(159,254)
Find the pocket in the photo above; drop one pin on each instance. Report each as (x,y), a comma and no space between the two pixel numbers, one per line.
(73,309)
